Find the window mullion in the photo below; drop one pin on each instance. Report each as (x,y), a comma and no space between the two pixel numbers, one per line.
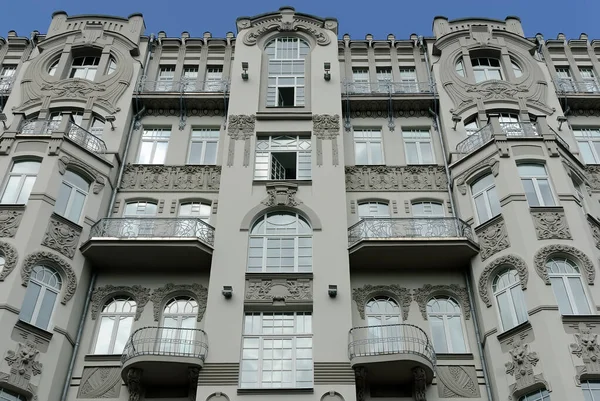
(488,206)
(264,256)
(38,304)
(447,331)
(513,309)
(570,294)
(296,246)
(294,351)
(203,152)
(113,336)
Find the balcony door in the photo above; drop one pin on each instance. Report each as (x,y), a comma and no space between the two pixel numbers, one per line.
(134,224)
(384,335)
(179,322)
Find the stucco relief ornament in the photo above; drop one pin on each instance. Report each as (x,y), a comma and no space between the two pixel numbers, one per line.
(521,367)
(141,296)
(493,238)
(23,361)
(363,294)
(279,290)
(9,222)
(424,294)
(61,237)
(419,384)
(134,385)
(281,194)
(541,258)
(496,90)
(586,347)
(72,88)
(10,255)
(551,225)
(240,127)
(326,126)
(198,291)
(68,274)
(511,261)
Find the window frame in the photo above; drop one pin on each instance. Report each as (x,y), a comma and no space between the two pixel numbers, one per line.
(431,203)
(22,179)
(41,294)
(267,152)
(154,136)
(118,316)
(361,80)
(508,290)
(4,393)
(485,193)
(418,142)
(212,136)
(486,69)
(568,289)
(199,215)
(371,203)
(593,395)
(446,325)
(585,135)
(541,395)
(86,68)
(368,139)
(74,189)
(275,71)
(213,81)
(535,179)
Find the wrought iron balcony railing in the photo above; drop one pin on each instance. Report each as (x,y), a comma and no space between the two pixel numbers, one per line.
(418,227)
(390,339)
(519,129)
(185,86)
(153,228)
(38,127)
(6,84)
(476,140)
(570,86)
(386,88)
(166,341)
(75,133)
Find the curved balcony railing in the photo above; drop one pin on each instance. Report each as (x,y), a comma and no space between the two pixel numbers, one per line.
(166,341)
(390,339)
(184,86)
(386,87)
(418,227)
(147,228)
(570,86)
(85,139)
(476,140)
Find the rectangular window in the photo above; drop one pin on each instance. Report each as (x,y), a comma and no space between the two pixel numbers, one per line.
(166,77)
(360,76)
(384,79)
(283,158)
(368,148)
(536,184)
(277,351)
(418,147)
(485,198)
(84,67)
(588,140)
(153,149)
(188,79)
(591,390)
(214,79)
(565,81)
(20,182)
(408,81)
(486,69)
(7,75)
(286,72)
(589,84)
(203,146)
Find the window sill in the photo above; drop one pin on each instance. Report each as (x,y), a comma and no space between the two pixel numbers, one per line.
(45,334)
(291,275)
(12,206)
(512,331)
(275,390)
(298,182)
(454,357)
(103,358)
(284,113)
(546,208)
(580,318)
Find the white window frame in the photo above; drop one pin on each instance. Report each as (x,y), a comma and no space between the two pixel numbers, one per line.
(589,137)
(154,136)
(591,389)
(384,79)
(214,78)
(408,80)
(22,179)
(89,70)
(200,210)
(7,395)
(538,395)
(178,339)
(536,186)
(508,291)
(40,297)
(361,80)
(414,136)
(485,193)
(165,81)
(293,57)
(204,136)
(375,209)
(446,325)
(250,333)
(140,212)
(370,137)
(189,77)
(565,79)
(569,291)
(117,316)
(486,69)
(7,75)
(430,205)
(73,190)
(589,79)
(267,145)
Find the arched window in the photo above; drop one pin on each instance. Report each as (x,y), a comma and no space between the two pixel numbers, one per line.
(445,319)
(42,291)
(179,322)
(383,318)
(71,197)
(382,310)
(280,242)
(591,390)
(486,68)
(510,299)
(53,68)
(368,209)
(6,395)
(427,209)
(20,182)
(538,395)
(460,67)
(195,209)
(485,198)
(112,66)
(567,286)
(516,68)
(286,72)
(115,324)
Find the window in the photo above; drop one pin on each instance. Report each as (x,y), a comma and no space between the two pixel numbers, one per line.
(6,395)
(591,390)
(539,395)
(166,77)
(286,72)
(427,209)
(460,67)
(567,286)
(140,209)
(214,78)
(204,145)
(40,297)
(53,68)
(280,242)
(139,227)
(486,69)
(360,76)
(7,74)
(384,78)
(373,209)
(179,323)
(417,145)
(195,209)
(510,299)
(189,77)
(115,324)
(20,182)
(511,125)
(516,69)
(385,335)
(97,127)
(277,351)
(84,67)
(283,158)
(588,140)
(445,319)
(485,198)
(112,66)
(153,149)
(536,184)
(589,84)
(368,148)
(408,81)
(71,197)
(565,81)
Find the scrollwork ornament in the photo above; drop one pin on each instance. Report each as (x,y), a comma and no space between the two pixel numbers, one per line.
(11,256)
(9,222)
(326,126)
(197,291)
(68,274)
(24,361)
(140,294)
(509,261)
(521,367)
(424,294)
(551,225)
(493,238)
(541,258)
(362,295)
(61,237)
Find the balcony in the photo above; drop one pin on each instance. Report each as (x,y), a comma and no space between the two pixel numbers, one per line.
(164,354)
(150,243)
(197,95)
(391,352)
(387,88)
(74,133)
(411,243)
(580,93)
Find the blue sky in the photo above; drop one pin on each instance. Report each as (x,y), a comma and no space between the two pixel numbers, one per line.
(400,17)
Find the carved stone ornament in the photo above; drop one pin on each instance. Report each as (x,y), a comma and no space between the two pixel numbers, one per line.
(134,384)
(419,384)
(521,367)
(10,255)
(279,290)
(141,296)
(541,258)
(281,194)
(360,375)
(65,162)
(197,291)
(100,382)
(326,126)
(509,261)
(73,88)
(495,89)
(145,177)
(24,361)
(587,348)
(363,294)
(492,237)
(61,237)
(551,225)
(592,173)
(490,164)
(595,228)
(424,294)
(48,258)
(241,126)
(395,178)
(457,382)
(9,222)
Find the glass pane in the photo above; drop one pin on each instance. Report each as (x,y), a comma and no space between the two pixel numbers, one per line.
(560,292)
(586,152)
(482,184)
(361,153)
(376,153)
(104,335)
(76,206)
(504,308)
(426,153)
(210,156)
(530,193)
(494,202)
(411,153)
(31,296)
(123,334)
(579,298)
(482,212)
(43,317)
(145,153)
(438,334)
(195,153)
(160,153)
(456,334)
(10,192)
(26,190)
(520,306)
(546,193)
(26,167)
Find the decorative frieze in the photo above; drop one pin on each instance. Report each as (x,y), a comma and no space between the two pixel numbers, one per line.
(396,178)
(62,236)
(100,382)
(145,177)
(509,261)
(197,291)
(279,291)
(541,258)
(587,348)
(326,126)
(550,225)
(10,218)
(67,273)
(281,194)
(10,255)
(424,294)
(457,382)
(362,295)
(240,128)
(140,294)
(492,237)
(521,368)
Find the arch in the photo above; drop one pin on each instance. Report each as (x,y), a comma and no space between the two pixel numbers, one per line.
(161,295)
(424,294)
(365,293)
(491,165)
(543,254)
(218,396)
(332,396)
(70,163)
(101,295)
(492,268)
(262,209)
(10,259)
(62,266)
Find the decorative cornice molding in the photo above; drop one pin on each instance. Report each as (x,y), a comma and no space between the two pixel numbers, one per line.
(62,236)
(281,194)
(362,295)
(492,237)
(550,225)
(542,255)
(424,294)
(395,178)
(101,295)
(11,256)
(512,261)
(197,291)
(67,273)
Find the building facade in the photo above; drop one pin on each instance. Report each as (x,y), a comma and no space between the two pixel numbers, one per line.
(283,214)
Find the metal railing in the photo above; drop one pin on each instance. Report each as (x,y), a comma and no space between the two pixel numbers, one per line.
(38,127)
(166,341)
(185,86)
(417,227)
(570,86)
(390,339)
(519,129)
(146,227)
(475,140)
(6,84)
(85,139)
(386,87)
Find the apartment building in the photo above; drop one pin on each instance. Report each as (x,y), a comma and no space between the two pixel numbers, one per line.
(287,212)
